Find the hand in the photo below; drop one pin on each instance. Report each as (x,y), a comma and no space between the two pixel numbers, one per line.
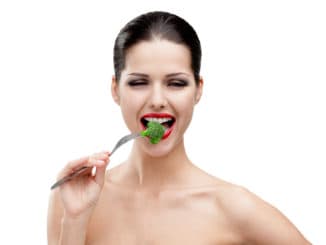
(80,195)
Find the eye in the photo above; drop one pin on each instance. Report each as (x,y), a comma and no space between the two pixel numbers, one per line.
(177,83)
(138,82)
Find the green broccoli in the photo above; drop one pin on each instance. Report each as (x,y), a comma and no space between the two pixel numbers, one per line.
(154,131)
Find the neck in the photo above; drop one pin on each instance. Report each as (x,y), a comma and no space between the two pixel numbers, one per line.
(150,172)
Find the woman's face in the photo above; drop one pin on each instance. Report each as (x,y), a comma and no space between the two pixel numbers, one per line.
(157,84)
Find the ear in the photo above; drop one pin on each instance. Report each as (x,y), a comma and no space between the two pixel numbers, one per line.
(199,90)
(115,90)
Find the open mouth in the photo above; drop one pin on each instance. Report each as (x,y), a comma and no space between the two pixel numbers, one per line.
(166,120)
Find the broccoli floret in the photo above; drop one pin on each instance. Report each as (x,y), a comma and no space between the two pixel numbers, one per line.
(154,131)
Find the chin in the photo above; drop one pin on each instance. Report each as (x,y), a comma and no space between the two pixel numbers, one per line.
(158,150)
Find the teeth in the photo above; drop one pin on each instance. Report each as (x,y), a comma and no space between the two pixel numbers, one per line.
(159,120)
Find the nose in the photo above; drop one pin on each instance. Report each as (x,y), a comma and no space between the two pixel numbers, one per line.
(158,100)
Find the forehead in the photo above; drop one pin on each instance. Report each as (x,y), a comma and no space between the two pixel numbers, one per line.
(158,55)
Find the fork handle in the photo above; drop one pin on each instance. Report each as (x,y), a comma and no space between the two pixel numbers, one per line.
(85,170)
(88,169)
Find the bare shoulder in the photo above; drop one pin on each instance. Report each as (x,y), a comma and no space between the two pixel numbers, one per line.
(237,201)
(257,221)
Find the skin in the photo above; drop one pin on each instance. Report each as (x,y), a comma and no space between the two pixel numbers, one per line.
(158,196)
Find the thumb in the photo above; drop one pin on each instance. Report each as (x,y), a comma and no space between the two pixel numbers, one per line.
(100,174)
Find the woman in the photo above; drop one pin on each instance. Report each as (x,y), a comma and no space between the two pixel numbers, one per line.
(158,196)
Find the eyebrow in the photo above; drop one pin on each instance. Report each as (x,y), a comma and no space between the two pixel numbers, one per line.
(169,75)
(177,74)
(138,74)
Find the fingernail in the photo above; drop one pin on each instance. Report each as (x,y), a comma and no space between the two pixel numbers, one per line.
(100,162)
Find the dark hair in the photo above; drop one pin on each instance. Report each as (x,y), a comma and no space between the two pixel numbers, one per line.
(161,25)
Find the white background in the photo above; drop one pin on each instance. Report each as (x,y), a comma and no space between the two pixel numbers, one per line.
(261,121)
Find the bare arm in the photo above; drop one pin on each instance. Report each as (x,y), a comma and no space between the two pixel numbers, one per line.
(64,230)
(72,204)
(260,223)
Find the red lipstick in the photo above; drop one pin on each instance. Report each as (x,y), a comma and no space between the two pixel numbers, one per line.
(157,115)
(169,128)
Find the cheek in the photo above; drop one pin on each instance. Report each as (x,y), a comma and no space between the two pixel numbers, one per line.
(130,104)
(184,105)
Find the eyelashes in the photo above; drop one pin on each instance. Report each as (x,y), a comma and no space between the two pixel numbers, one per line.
(178,83)
(138,82)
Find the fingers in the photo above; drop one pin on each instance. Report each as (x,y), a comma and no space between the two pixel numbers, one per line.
(100,174)
(97,160)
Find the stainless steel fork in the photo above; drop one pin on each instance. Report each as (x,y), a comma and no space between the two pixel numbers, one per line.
(88,169)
